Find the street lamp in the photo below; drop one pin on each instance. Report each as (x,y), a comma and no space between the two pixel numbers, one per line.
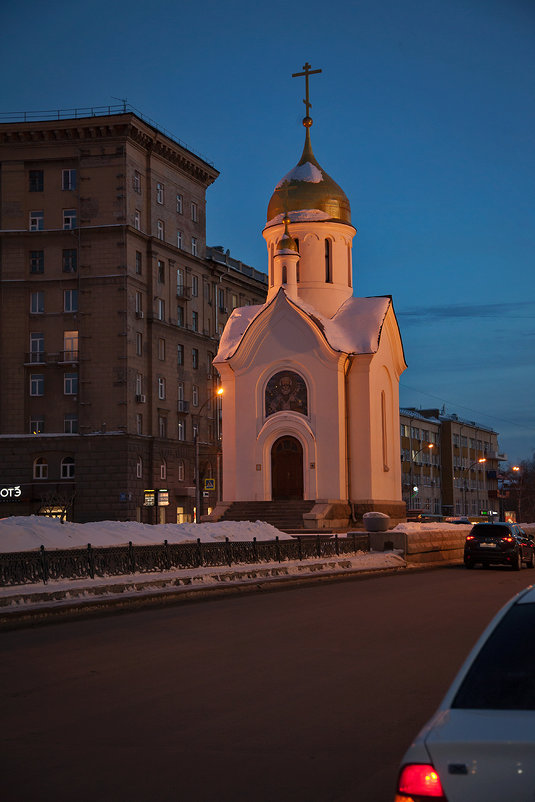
(219,392)
(477,462)
(414,488)
(517,469)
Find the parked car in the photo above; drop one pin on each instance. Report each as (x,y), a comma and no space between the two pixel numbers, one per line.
(480,744)
(460,519)
(503,543)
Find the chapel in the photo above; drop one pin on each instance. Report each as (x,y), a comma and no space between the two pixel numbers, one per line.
(310,378)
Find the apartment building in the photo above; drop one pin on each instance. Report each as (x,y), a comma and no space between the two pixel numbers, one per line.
(111,308)
(449,464)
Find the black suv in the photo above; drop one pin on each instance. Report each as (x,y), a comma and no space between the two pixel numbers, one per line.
(496,543)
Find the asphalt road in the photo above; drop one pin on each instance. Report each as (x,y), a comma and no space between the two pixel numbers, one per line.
(305,694)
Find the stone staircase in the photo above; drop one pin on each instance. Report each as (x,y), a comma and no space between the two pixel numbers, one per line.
(284,515)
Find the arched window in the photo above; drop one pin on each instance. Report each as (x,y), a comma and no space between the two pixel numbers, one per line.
(163,469)
(284,274)
(384,430)
(67,468)
(139,468)
(40,468)
(286,390)
(328,262)
(181,470)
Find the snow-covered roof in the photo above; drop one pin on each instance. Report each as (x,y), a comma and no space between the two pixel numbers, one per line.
(354,329)
(302,172)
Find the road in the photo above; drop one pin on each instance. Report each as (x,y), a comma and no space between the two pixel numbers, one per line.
(305,694)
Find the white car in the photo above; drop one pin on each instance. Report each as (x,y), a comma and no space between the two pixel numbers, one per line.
(480,744)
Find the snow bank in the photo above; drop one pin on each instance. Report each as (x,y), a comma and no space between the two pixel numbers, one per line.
(29,533)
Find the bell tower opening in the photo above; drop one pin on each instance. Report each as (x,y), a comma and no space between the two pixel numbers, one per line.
(286,469)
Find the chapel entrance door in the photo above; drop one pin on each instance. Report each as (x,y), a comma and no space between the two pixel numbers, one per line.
(286,469)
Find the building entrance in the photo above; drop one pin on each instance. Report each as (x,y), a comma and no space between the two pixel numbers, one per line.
(286,469)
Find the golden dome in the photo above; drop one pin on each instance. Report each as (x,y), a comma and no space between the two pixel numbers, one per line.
(307,193)
(286,242)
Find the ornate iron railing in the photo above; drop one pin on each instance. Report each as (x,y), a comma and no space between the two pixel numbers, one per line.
(25,567)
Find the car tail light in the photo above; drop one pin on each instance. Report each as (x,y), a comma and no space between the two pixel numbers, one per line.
(470,537)
(508,539)
(419,781)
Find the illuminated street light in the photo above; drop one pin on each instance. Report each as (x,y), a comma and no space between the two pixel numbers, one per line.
(211,397)
(479,461)
(413,458)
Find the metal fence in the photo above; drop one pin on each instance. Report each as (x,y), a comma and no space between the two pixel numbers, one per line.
(24,567)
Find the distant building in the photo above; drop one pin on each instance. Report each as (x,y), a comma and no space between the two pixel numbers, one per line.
(459,474)
(111,309)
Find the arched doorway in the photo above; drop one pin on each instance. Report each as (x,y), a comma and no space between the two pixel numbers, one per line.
(286,469)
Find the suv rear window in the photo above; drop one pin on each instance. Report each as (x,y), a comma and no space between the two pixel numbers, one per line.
(502,677)
(490,530)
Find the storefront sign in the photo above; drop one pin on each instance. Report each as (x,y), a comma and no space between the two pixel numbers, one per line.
(163,498)
(10,493)
(149,498)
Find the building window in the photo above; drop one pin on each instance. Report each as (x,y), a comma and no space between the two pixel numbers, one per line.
(162,426)
(180,315)
(207,292)
(37,424)
(161,271)
(37,303)
(195,430)
(67,468)
(37,261)
(136,182)
(139,423)
(179,203)
(70,300)
(194,286)
(70,346)
(139,304)
(194,211)
(37,181)
(40,468)
(70,384)
(221,300)
(70,423)
(138,262)
(139,384)
(160,309)
(180,391)
(161,388)
(159,193)
(180,354)
(194,246)
(163,469)
(179,239)
(194,358)
(37,384)
(139,468)
(160,229)
(137,220)
(139,343)
(180,282)
(68,179)
(195,321)
(69,260)
(195,395)
(37,347)
(37,221)
(69,218)
(181,471)
(181,429)
(161,348)
(328,262)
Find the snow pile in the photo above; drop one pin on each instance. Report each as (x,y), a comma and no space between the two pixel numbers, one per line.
(415,528)
(29,533)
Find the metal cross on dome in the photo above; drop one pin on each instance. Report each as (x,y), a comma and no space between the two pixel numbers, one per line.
(307,71)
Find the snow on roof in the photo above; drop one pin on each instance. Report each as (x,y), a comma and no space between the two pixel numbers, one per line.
(354,329)
(300,216)
(303,172)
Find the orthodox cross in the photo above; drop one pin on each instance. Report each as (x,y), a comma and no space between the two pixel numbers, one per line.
(306,73)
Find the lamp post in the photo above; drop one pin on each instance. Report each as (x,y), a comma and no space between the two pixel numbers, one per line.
(211,397)
(414,489)
(480,461)
(517,469)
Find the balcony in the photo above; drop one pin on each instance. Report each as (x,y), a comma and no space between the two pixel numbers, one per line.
(36,358)
(183,406)
(68,357)
(183,292)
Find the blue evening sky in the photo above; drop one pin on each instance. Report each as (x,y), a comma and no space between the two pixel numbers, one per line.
(424,114)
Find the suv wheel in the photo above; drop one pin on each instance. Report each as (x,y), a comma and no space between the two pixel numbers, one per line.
(517,563)
(531,562)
